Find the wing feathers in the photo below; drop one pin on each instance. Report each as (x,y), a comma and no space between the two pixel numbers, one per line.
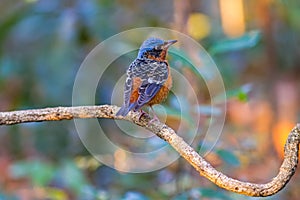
(153,74)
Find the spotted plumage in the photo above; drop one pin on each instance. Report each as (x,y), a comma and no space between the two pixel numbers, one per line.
(148,77)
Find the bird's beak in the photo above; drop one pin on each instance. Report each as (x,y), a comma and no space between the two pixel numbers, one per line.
(168,43)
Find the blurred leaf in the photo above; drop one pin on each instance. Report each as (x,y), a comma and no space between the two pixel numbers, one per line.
(242,96)
(241,93)
(183,61)
(132,181)
(72,176)
(39,172)
(132,195)
(186,61)
(248,40)
(19,169)
(56,194)
(181,55)
(182,196)
(87,162)
(197,193)
(213,194)
(88,192)
(228,157)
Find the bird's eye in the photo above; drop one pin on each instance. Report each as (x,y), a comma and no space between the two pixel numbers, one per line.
(157,47)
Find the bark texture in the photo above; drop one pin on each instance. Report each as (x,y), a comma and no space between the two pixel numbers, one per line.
(285,173)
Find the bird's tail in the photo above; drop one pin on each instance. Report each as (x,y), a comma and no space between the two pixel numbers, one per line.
(124,110)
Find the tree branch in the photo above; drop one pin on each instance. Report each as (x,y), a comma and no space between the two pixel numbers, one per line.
(285,173)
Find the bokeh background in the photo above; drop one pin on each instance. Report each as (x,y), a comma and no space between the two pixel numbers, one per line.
(255,44)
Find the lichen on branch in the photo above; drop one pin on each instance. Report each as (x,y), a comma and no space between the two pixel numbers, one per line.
(286,171)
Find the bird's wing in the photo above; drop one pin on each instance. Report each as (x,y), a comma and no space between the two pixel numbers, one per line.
(127,92)
(128,84)
(153,75)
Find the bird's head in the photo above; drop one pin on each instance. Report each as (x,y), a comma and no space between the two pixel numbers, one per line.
(155,48)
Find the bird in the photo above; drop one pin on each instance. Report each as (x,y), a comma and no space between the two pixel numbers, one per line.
(149,79)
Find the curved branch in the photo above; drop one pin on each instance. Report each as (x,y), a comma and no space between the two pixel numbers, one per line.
(285,173)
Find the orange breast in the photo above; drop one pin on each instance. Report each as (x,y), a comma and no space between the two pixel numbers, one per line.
(163,92)
(158,98)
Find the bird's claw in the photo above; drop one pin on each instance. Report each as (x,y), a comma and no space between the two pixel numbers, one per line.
(154,119)
(141,114)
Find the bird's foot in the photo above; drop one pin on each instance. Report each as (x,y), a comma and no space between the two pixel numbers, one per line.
(141,114)
(155,118)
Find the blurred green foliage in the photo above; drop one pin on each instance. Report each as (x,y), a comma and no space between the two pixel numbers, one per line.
(246,41)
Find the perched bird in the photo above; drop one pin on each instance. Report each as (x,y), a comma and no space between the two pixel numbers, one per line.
(148,77)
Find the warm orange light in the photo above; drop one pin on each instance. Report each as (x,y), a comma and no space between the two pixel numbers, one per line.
(232,16)
(280,133)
